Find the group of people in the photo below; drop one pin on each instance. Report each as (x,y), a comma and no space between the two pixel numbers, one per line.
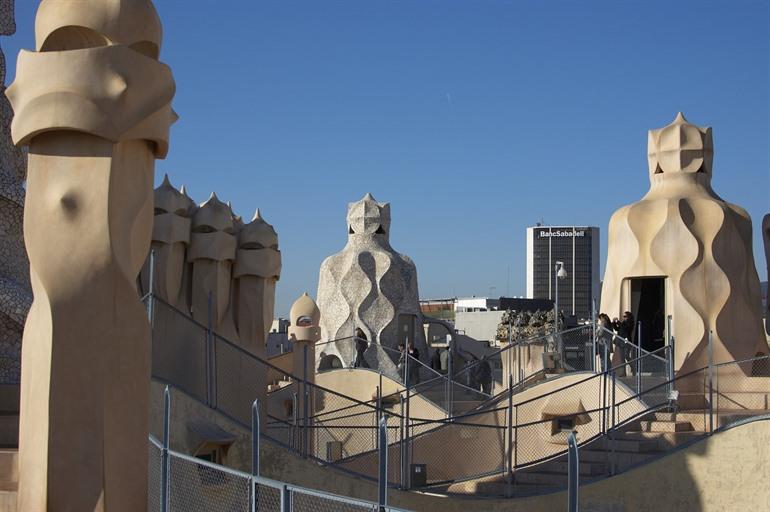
(477,373)
(616,335)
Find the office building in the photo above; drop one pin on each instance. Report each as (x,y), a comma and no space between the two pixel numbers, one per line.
(578,248)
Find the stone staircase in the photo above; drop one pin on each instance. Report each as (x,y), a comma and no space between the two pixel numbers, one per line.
(634,444)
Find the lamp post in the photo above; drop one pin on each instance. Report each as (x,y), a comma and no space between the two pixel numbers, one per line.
(560,274)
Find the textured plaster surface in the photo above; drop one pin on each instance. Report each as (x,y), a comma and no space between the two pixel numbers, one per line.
(94,130)
(683,231)
(368,285)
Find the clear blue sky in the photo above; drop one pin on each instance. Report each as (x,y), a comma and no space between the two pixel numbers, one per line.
(473,118)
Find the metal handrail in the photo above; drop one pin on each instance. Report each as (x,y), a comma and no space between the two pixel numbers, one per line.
(635,346)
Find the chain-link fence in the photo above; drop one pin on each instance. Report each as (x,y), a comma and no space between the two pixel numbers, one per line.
(179,482)
(487,443)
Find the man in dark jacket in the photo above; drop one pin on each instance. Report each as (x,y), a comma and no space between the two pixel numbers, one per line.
(361,346)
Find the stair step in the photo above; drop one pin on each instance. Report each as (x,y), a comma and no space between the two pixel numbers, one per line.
(9,430)
(585,468)
(541,478)
(665,426)
(623,459)
(623,444)
(7,501)
(9,467)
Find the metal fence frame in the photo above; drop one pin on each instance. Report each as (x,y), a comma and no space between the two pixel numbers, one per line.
(167,486)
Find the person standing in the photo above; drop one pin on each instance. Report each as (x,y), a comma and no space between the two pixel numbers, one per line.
(414,364)
(361,346)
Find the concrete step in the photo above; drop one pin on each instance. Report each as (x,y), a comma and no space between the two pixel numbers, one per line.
(623,443)
(665,426)
(8,501)
(9,466)
(586,468)
(9,430)
(541,478)
(622,459)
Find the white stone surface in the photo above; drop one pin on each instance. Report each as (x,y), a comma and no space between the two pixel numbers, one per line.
(368,285)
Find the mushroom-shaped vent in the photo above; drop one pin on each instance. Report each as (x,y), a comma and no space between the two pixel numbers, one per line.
(304,312)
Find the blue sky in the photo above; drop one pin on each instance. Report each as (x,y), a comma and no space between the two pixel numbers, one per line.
(473,118)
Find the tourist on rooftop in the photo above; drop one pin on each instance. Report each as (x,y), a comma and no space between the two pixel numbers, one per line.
(361,346)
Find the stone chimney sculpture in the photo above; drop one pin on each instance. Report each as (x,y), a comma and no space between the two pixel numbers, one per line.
(369,285)
(15,290)
(170,239)
(682,231)
(304,333)
(93,103)
(256,272)
(212,252)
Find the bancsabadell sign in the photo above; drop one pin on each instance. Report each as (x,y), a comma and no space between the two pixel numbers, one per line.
(559,233)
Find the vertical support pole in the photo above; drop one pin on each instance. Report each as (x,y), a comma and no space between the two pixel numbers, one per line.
(509,460)
(612,427)
(255,439)
(605,346)
(285,499)
(450,371)
(711,380)
(510,345)
(573,466)
(210,368)
(638,355)
(614,386)
(515,438)
(593,335)
(294,421)
(164,460)
(305,400)
(151,293)
(408,442)
(401,444)
(382,500)
(254,454)
(604,402)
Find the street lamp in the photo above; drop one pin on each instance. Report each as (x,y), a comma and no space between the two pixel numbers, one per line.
(560,274)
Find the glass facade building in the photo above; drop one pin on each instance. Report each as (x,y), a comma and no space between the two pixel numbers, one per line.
(578,248)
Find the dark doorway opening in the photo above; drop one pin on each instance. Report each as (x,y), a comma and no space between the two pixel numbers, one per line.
(648,302)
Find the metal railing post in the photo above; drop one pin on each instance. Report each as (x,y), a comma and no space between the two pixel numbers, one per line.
(210,352)
(450,371)
(285,499)
(573,473)
(402,443)
(151,293)
(255,437)
(711,380)
(164,458)
(305,400)
(593,337)
(515,438)
(604,402)
(510,345)
(382,500)
(407,442)
(294,422)
(254,454)
(510,426)
(638,355)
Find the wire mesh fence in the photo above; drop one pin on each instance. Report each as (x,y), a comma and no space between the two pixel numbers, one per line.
(498,443)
